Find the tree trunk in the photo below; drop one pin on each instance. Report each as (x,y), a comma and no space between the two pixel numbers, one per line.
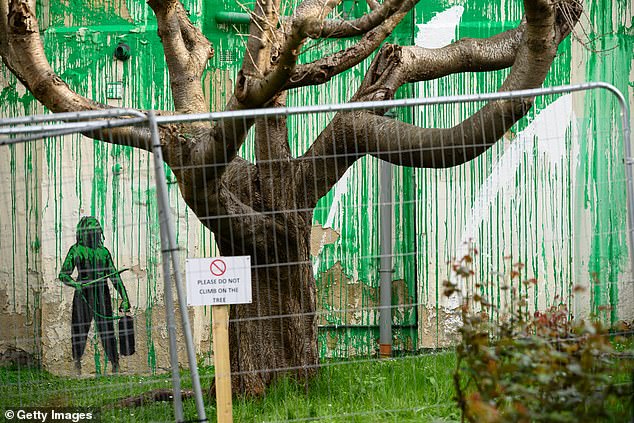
(271,345)
(277,333)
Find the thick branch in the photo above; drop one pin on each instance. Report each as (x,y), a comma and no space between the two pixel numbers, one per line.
(273,161)
(315,9)
(225,139)
(262,36)
(324,69)
(236,198)
(255,90)
(353,135)
(465,55)
(340,28)
(22,52)
(186,54)
(373,4)
(397,65)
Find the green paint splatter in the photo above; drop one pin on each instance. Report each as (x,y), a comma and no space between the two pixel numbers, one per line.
(601,153)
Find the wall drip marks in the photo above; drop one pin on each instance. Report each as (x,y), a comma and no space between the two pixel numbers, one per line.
(601,153)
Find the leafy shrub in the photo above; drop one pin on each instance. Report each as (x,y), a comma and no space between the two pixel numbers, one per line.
(535,367)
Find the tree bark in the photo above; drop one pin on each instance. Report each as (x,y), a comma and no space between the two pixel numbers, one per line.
(275,334)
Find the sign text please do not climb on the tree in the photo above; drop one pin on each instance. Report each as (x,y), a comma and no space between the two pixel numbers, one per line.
(218,280)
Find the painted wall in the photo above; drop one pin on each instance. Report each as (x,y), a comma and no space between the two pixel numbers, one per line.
(51,184)
(550,195)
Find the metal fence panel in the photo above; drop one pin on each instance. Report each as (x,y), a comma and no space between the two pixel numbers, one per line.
(520,202)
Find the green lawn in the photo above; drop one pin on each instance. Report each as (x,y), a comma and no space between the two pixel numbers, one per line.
(404,389)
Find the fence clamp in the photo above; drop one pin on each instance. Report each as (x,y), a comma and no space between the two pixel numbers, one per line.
(628,160)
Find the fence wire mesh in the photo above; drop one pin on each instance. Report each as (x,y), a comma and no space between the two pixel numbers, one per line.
(350,248)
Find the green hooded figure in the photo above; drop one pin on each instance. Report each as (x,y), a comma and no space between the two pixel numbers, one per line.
(91,300)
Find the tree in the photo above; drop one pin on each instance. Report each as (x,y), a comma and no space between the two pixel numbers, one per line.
(264,209)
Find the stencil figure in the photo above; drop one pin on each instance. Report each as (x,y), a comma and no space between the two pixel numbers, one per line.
(92,296)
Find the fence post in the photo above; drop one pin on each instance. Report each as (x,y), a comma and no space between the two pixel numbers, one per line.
(224,405)
(629,162)
(170,249)
(385,271)
(169,300)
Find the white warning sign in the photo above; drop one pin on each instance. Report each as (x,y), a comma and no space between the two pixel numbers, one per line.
(218,280)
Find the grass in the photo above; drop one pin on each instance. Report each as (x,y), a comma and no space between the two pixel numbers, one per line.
(405,389)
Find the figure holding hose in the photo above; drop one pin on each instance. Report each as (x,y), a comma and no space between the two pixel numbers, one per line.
(91,300)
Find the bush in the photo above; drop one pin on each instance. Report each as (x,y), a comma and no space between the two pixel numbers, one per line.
(539,367)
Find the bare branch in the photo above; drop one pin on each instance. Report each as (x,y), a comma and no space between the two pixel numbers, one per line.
(373,4)
(314,9)
(22,52)
(465,55)
(352,135)
(187,51)
(341,28)
(264,21)
(324,69)
(255,90)
(397,65)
